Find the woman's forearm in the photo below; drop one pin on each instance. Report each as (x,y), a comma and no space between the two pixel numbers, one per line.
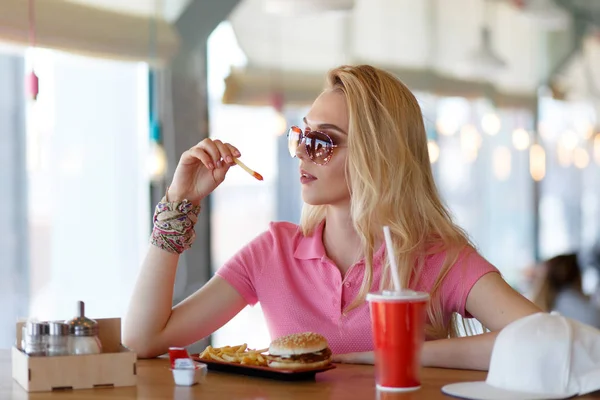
(469,352)
(152,300)
(152,324)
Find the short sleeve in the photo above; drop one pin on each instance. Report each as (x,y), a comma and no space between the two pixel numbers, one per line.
(468,269)
(244,269)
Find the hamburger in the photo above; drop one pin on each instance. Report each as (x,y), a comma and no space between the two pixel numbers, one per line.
(299,351)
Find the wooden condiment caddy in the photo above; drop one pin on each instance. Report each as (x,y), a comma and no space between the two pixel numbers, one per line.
(115,366)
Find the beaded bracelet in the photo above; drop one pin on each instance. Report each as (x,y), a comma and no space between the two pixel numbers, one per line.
(174,225)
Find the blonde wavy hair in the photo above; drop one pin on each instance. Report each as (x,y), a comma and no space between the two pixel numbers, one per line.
(391,183)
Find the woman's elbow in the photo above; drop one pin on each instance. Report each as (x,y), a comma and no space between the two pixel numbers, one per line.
(141,346)
(146,353)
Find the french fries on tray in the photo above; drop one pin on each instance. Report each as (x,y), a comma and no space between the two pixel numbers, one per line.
(240,354)
(299,351)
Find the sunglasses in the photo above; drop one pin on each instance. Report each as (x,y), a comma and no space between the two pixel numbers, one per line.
(319,146)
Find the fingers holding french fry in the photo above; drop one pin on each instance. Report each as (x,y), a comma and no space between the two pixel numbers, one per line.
(240,354)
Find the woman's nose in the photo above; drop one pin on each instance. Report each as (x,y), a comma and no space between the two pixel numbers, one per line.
(301,148)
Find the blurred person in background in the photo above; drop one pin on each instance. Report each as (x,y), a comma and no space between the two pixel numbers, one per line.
(589,262)
(557,286)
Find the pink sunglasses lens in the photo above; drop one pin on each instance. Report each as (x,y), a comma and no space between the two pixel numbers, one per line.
(318,146)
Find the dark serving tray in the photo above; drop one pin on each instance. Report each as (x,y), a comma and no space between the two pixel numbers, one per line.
(263,372)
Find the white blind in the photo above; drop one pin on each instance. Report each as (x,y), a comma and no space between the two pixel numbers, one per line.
(88,31)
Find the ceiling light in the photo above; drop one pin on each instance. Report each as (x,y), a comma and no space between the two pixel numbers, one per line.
(299,7)
(484,61)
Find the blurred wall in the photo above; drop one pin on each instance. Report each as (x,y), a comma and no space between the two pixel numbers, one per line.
(13,234)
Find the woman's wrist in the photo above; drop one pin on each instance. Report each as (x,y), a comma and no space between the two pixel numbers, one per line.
(174,221)
(173,195)
(426,354)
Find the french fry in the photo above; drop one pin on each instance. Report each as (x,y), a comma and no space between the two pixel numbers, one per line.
(242,348)
(206,352)
(239,354)
(216,357)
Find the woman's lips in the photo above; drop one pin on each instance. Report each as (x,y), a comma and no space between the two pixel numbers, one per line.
(305,177)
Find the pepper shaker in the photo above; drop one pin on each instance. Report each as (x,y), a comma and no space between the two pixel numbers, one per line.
(34,340)
(83,333)
(58,338)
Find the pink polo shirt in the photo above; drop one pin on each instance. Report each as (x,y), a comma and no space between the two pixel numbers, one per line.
(300,289)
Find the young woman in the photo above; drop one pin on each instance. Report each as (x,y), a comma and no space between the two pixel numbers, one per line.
(364,164)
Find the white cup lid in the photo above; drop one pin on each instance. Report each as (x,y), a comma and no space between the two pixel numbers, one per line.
(403,295)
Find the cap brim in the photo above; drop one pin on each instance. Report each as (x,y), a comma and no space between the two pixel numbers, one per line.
(483,391)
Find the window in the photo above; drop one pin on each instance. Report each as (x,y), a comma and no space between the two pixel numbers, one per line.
(483,176)
(88,192)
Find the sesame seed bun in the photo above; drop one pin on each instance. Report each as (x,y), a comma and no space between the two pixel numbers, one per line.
(299,343)
(305,350)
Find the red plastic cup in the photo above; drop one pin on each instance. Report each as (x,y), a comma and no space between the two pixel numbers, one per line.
(398,322)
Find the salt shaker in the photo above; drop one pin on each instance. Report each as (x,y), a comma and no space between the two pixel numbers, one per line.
(58,338)
(83,333)
(34,340)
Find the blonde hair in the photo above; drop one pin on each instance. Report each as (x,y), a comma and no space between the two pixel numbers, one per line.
(391,183)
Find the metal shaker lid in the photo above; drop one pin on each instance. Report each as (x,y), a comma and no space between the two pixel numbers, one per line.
(82,325)
(36,328)
(58,328)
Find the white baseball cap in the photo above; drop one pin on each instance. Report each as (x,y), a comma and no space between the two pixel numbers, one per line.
(541,356)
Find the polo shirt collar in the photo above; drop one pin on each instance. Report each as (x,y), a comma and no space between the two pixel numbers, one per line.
(312,247)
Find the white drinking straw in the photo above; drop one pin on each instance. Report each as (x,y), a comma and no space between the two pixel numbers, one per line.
(392,258)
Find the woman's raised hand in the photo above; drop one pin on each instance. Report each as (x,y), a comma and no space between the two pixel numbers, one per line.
(201,169)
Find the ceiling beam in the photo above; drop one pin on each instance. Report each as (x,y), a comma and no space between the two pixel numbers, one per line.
(84,30)
(256,86)
(200,18)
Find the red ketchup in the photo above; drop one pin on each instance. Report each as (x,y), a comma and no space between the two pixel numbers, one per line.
(180,359)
